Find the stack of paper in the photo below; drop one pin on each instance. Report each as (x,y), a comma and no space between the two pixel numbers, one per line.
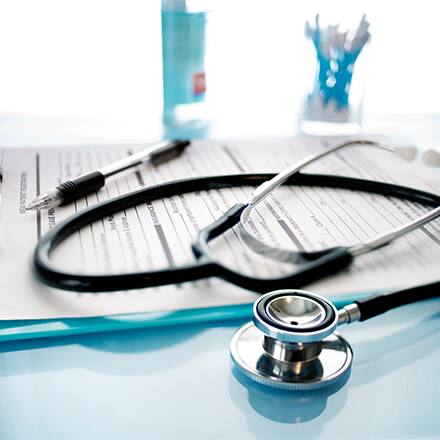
(158,234)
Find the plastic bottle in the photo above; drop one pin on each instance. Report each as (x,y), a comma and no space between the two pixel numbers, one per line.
(183,54)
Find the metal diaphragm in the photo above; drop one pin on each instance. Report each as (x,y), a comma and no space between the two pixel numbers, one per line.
(291,343)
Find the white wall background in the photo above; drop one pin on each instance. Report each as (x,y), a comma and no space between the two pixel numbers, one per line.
(103,57)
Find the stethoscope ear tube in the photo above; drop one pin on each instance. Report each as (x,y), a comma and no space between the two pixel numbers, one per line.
(227,221)
(328,264)
(319,264)
(371,307)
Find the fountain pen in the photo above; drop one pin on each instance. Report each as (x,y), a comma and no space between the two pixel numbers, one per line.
(90,182)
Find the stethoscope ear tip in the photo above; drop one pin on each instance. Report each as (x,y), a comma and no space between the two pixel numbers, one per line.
(432,158)
(408,153)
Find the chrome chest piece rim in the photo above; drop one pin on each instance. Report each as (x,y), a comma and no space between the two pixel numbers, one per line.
(291,343)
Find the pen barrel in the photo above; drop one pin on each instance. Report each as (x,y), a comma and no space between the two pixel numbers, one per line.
(81,186)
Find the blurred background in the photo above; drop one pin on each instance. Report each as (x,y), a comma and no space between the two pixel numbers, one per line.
(91,70)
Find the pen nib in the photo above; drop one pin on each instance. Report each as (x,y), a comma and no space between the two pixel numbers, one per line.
(45,200)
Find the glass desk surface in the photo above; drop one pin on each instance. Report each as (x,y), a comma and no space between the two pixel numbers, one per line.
(178,382)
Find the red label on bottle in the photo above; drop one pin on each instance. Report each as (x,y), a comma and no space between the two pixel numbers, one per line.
(199,83)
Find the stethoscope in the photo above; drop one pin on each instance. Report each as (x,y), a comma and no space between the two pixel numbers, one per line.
(311,266)
(292,342)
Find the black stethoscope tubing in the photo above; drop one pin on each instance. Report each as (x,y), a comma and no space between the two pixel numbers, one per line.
(319,265)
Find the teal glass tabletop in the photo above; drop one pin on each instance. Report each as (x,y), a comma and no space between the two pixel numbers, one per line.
(178,382)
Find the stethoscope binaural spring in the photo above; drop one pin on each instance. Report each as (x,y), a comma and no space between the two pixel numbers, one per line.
(292,342)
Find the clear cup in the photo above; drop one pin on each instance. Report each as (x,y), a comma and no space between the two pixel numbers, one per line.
(333,103)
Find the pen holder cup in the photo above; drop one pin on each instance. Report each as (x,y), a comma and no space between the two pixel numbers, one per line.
(333,103)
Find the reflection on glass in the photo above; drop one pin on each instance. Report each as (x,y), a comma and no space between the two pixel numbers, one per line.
(287,406)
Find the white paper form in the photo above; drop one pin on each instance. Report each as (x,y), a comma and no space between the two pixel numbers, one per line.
(158,234)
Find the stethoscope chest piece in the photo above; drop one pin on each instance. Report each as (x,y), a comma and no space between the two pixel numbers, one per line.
(291,343)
